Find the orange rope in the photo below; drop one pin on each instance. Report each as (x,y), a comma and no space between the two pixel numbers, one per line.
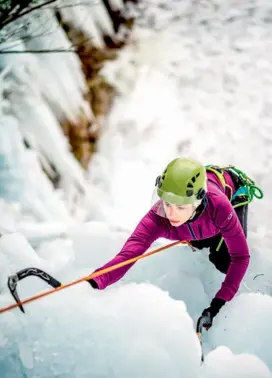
(93,275)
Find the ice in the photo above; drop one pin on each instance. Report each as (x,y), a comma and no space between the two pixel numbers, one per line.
(36,93)
(244,326)
(136,334)
(17,186)
(92,18)
(222,363)
(194,80)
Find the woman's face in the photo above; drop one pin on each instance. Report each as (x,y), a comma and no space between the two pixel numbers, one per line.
(178,214)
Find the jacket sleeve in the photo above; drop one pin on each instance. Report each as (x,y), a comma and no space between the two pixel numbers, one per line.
(229,225)
(150,228)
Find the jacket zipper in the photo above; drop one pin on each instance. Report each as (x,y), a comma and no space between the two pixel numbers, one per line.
(191,231)
(200,231)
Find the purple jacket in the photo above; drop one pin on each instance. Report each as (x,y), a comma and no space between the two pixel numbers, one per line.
(218,217)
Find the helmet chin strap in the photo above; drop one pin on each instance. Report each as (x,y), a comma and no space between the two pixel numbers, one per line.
(192,216)
(195,207)
(201,207)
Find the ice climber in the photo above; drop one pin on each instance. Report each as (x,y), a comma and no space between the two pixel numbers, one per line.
(205,205)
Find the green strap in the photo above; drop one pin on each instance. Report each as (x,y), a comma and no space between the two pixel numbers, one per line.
(252,190)
(217,171)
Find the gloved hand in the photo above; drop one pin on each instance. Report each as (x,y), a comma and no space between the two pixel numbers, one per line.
(93,283)
(210,312)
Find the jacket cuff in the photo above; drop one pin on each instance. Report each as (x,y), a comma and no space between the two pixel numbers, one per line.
(93,283)
(216,305)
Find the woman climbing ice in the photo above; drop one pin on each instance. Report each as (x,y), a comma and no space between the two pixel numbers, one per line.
(204,205)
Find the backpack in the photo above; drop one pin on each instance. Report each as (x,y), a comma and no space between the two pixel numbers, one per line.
(244,194)
(247,188)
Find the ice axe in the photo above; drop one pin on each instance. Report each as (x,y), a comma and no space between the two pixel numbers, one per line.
(203,321)
(13,279)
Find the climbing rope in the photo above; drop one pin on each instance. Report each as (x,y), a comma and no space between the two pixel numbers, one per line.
(57,286)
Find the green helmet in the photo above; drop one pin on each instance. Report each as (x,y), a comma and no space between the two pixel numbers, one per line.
(182,182)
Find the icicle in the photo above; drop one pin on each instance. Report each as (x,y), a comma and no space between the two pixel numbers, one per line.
(33,191)
(102,17)
(44,90)
(40,126)
(67,85)
(116,4)
(82,18)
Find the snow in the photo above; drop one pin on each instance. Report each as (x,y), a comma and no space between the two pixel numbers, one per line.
(206,77)
(222,363)
(131,329)
(111,329)
(246,317)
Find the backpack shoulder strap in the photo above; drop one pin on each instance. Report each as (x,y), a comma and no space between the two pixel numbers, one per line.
(218,171)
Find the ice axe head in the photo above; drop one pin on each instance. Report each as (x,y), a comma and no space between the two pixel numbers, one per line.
(12,285)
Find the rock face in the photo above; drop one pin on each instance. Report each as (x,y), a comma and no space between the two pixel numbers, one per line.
(83,135)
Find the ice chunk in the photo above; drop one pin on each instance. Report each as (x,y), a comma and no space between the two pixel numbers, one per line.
(243,325)
(134,330)
(222,363)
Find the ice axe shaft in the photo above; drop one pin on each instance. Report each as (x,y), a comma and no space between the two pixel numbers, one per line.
(202,320)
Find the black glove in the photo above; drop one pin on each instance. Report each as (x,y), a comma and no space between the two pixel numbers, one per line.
(210,312)
(93,283)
